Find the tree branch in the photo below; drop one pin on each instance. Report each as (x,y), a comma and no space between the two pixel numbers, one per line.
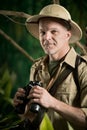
(56,1)
(14,13)
(82,47)
(16,45)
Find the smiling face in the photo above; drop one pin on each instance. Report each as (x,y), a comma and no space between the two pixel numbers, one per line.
(53,37)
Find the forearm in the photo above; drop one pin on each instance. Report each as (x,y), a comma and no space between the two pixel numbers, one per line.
(71,114)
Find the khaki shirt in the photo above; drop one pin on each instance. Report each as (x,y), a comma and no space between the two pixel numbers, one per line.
(66,92)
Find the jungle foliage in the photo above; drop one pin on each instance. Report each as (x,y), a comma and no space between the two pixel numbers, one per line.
(14,66)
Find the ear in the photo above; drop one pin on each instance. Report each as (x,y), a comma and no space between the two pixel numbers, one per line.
(68,35)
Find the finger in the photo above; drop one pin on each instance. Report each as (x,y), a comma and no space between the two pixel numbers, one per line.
(19,96)
(16,102)
(21,90)
(35,100)
(34,95)
(36,89)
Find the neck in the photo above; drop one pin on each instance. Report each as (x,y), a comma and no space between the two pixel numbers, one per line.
(59,55)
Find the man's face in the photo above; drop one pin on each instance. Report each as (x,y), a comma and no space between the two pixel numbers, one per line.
(53,36)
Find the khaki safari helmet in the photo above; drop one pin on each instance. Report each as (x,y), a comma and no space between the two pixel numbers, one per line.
(54,11)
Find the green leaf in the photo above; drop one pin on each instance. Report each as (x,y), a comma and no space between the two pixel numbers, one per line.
(46,124)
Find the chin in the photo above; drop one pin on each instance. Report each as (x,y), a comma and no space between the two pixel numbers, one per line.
(50,53)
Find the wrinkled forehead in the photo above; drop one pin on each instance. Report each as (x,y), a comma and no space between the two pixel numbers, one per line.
(63,22)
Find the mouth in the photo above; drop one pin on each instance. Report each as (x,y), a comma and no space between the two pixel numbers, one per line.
(50,45)
(49,48)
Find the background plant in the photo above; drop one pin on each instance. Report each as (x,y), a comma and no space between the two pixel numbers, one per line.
(18,49)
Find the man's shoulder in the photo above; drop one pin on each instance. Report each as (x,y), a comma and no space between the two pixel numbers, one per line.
(83,58)
(82,63)
(39,61)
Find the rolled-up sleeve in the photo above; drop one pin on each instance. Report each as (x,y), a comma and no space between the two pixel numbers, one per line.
(83,86)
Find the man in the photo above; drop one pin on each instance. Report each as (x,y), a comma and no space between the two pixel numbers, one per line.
(66,106)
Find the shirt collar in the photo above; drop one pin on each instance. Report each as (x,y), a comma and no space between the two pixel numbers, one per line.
(71,57)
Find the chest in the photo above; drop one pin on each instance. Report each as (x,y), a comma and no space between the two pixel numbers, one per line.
(67,91)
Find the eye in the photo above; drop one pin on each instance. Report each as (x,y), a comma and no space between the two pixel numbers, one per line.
(42,33)
(54,31)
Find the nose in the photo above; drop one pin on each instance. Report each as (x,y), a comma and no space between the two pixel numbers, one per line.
(47,36)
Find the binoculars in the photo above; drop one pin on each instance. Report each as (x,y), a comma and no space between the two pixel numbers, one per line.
(34,107)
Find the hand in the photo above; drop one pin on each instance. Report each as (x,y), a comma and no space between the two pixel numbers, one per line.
(41,96)
(19,93)
(16,101)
